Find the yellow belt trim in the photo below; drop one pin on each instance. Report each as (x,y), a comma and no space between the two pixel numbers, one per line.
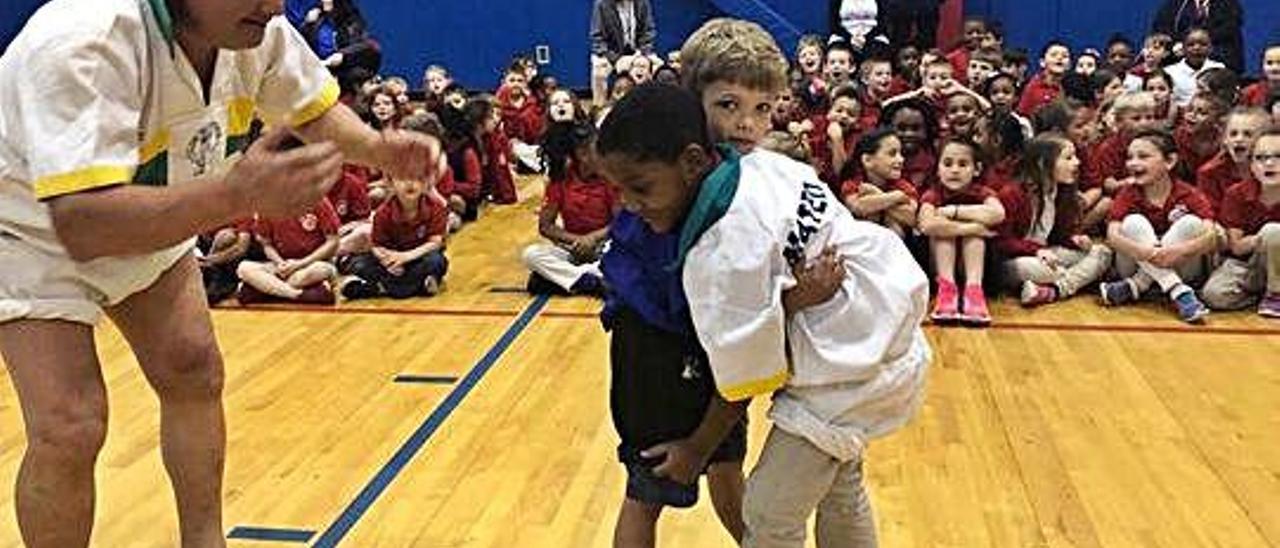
(755,388)
(240,115)
(154,146)
(81,180)
(318,106)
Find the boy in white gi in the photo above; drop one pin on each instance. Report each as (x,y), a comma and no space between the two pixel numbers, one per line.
(845,371)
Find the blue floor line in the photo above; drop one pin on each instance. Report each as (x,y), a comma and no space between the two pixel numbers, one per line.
(271,534)
(374,489)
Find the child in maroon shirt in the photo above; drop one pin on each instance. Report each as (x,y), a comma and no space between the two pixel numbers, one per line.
(1231,164)
(584,203)
(1047,85)
(1160,228)
(1251,216)
(879,194)
(835,133)
(959,215)
(350,199)
(299,252)
(407,258)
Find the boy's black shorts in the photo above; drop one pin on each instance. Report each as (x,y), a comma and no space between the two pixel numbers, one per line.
(661,386)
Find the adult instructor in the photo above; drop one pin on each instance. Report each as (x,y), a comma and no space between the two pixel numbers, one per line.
(619,28)
(123,131)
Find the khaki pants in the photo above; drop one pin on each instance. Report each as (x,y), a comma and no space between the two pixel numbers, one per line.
(1139,229)
(1075,270)
(1239,283)
(791,480)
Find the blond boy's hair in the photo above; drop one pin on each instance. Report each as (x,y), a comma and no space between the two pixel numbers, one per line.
(1133,101)
(733,51)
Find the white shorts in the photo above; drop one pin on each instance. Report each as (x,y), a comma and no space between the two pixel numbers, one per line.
(39,283)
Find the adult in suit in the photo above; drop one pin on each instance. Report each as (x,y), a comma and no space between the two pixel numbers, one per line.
(1224,20)
(619,28)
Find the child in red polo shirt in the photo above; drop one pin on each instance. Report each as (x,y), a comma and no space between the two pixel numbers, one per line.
(1231,164)
(584,203)
(219,253)
(498,185)
(936,84)
(1251,215)
(1001,139)
(1105,169)
(1046,86)
(880,195)
(959,215)
(975,29)
(1160,85)
(1199,133)
(913,122)
(407,258)
(1161,229)
(350,199)
(835,133)
(876,74)
(299,252)
(1256,94)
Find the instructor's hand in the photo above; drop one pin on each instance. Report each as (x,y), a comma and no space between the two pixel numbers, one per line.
(408,155)
(279,183)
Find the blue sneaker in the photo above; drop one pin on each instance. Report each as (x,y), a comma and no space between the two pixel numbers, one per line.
(1190,309)
(1118,293)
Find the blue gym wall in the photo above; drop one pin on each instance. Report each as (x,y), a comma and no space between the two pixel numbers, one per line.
(476,38)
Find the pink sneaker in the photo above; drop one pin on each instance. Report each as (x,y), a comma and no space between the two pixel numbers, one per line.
(946,306)
(1034,294)
(975,306)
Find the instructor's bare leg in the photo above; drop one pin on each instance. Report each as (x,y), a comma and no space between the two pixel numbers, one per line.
(54,367)
(169,328)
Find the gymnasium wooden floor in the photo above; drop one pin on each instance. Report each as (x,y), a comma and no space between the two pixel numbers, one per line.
(1071,426)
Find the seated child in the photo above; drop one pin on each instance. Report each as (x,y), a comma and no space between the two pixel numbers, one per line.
(1199,134)
(959,215)
(1160,86)
(1047,85)
(1196,46)
(835,133)
(299,252)
(1251,215)
(407,258)
(1161,229)
(914,124)
(585,204)
(350,199)
(881,195)
(1231,164)
(434,81)
(740,224)
(1046,255)
(219,254)
(1256,94)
